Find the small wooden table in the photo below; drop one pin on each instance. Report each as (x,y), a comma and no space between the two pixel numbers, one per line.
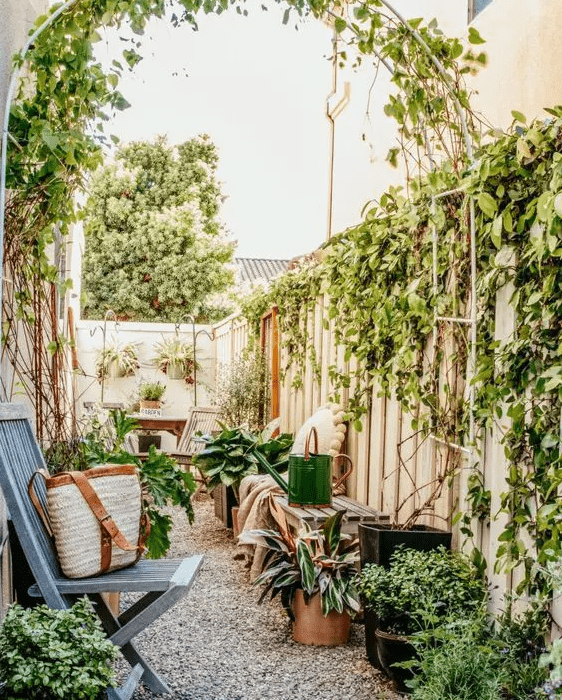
(171,424)
(315,517)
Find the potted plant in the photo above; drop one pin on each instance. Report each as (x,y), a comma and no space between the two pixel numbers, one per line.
(417,591)
(117,361)
(314,572)
(175,359)
(150,396)
(55,653)
(235,453)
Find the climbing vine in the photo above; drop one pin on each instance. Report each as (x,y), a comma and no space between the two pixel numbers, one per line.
(376,277)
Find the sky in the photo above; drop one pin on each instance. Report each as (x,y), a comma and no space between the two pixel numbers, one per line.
(259,89)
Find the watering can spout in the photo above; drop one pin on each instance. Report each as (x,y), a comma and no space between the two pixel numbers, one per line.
(279,480)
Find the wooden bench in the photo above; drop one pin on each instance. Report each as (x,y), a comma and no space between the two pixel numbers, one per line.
(314,517)
(162,583)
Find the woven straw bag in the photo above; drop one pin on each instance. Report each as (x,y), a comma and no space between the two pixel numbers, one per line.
(95,518)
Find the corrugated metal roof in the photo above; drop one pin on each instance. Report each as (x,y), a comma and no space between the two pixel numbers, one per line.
(256,269)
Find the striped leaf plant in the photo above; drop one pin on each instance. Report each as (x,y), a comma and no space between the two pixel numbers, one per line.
(316,561)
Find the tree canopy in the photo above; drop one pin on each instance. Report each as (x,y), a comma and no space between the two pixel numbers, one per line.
(155,247)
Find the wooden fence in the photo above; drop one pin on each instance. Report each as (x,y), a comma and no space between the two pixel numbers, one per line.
(393,464)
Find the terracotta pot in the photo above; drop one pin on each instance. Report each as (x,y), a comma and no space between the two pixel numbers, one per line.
(113,599)
(311,627)
(150,408)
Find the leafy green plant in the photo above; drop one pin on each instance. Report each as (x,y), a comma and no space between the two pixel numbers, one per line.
(123,358)
(233,454)
(316,561)
(172,352)
(151,391)
(457,664)
(47,654)
(243,393)
(420,589)
(164,482)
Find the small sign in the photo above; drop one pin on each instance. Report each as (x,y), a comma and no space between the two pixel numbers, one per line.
(152,412)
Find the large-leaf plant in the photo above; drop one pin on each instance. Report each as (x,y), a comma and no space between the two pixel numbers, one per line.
(163,481)
(316,561)
(235,453)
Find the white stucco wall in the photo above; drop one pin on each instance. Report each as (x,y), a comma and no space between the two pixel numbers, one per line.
(178,397)
(524,73)
(524,50)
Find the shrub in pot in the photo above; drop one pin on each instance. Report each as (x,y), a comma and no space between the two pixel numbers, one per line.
(417,591)
(47,654)
(314,573)
(150,396)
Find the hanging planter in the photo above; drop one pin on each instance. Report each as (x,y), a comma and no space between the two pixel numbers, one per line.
(175,359)
(117,361)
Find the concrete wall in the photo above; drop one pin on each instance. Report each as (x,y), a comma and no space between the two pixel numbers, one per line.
(524,69)
(524,73)
(178,397)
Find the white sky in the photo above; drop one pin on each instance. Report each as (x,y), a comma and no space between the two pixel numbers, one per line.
(258,88)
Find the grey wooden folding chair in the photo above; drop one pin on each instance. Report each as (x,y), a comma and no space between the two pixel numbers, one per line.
(162,582)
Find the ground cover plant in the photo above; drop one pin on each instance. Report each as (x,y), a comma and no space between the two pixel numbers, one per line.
(47,654)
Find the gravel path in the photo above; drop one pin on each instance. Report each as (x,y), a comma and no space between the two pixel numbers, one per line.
(217,643)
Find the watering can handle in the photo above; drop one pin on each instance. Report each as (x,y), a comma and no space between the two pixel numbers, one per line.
(314,432)
(347,473)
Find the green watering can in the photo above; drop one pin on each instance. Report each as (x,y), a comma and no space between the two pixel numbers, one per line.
(310,476)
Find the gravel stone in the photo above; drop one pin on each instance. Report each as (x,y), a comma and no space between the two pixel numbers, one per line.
(217,643)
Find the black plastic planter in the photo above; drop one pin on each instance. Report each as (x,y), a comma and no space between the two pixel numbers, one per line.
(378,542)
(145,441)
(392,649)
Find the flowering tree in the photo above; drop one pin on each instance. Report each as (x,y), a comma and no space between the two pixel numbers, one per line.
(155,248)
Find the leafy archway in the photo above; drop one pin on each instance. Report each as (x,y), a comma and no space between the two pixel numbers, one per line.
(65,94)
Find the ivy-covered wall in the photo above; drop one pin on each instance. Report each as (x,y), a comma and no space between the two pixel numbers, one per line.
(378,301)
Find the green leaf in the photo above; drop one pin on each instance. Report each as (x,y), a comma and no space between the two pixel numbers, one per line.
(474,36)
(308,576)
(519,116)
(340,25)
(487,204)
(496,234)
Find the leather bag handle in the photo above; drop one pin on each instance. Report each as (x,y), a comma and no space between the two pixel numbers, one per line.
(314,432)
(36,502)
(347,473)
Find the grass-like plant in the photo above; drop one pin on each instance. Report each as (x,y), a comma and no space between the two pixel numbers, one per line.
(151,391)
(173,352)
(123,357)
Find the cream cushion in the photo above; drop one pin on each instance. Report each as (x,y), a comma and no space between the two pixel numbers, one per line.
(328,421)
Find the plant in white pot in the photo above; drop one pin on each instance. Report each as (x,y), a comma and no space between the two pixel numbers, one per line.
(314,572)
(175,359)
(117,361)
